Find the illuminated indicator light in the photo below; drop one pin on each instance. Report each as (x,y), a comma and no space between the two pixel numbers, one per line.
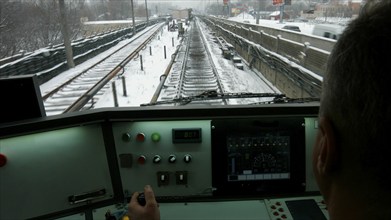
(140,137)
(155,137)
(3,160)
(141,160)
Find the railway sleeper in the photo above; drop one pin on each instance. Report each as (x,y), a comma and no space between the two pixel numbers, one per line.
(200,80)
(73,95)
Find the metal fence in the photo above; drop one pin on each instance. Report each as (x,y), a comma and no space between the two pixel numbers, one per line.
(304,54)
(51,61)
(300,63)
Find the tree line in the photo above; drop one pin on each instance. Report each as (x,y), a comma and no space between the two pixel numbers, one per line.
(28,25)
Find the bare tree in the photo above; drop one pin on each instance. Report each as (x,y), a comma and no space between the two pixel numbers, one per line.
(48,30)
(7,26)
(33,24)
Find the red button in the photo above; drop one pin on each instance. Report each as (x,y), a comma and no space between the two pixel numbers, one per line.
(141,160)
(140,137)
(3,160)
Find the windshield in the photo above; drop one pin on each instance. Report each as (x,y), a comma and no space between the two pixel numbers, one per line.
(88,54)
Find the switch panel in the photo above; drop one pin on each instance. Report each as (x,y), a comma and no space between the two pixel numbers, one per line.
(161,160)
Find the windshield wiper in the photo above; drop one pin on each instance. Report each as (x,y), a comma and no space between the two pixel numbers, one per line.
(212,95)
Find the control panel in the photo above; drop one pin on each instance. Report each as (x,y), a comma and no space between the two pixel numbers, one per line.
(312,207)
(174,157)
(233,166)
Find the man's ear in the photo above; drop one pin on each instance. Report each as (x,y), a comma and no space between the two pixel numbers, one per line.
(327,155)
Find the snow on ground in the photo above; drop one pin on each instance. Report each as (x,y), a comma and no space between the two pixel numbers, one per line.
(142,84)
(305,27)
(235,80)
(66,75)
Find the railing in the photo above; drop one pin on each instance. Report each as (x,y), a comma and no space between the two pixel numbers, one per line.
(303,53)
(315,41)
(295,68)
(51,61)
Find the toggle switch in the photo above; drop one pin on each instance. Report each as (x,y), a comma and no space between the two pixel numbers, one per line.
(157,159)
(172,158)
(163,178)
(181,177)
(187,158)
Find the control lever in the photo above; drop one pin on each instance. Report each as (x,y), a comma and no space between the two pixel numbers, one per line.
(141,199)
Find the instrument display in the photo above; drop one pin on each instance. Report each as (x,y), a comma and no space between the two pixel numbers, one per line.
(258,156)
(186,135)
(263,157)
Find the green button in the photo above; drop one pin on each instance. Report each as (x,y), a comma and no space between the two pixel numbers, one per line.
(155,137)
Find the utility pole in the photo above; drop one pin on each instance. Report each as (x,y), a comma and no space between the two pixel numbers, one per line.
(226,6)
(146,11)
(65,34)
(281,13)
(258,10)
(133,19)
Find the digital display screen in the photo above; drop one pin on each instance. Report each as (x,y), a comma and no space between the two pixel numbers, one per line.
(186,135)
(263,157)
(258,156)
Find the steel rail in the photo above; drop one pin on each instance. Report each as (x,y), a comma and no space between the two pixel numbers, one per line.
(199,50)
(54,91)
(86,97)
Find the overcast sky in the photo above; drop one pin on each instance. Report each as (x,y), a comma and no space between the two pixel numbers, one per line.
(187,3)
(184,3)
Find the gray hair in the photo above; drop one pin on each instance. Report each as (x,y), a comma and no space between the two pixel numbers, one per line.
(356,89)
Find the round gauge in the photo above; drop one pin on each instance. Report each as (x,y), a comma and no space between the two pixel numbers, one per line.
(264,161)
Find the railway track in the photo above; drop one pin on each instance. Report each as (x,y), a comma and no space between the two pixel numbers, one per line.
(194,72)
(82,91)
